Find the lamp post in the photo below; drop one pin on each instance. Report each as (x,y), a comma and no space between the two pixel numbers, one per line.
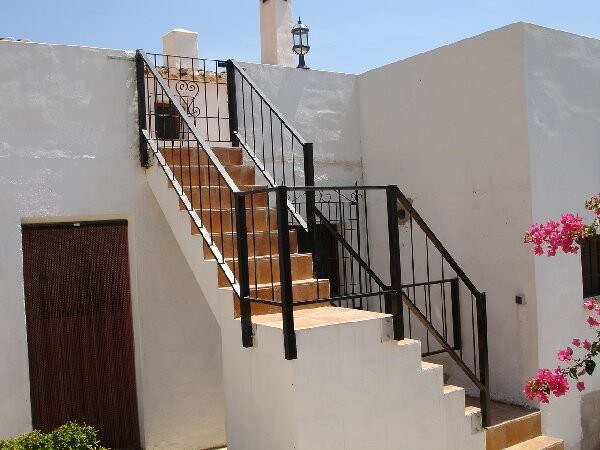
(301,47)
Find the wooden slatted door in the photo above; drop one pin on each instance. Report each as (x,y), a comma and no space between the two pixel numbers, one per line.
(79,329)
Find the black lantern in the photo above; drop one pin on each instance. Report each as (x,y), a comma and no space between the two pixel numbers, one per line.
(301,47)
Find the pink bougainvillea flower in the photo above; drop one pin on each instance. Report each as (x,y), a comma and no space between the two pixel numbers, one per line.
(589,305)
(576,342)
(592,322)
(593,204)
(546,382)
(587,344)
(580,386)
(566,354)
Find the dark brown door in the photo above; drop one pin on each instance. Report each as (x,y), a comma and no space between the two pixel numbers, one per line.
(79,329)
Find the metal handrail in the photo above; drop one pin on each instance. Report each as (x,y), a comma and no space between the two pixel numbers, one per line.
(188,122)
(438,244)
(277,113)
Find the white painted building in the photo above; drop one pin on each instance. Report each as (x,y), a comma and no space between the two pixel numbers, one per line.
(486,136)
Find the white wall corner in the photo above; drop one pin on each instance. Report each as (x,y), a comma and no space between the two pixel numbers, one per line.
(181,43)
(276,32)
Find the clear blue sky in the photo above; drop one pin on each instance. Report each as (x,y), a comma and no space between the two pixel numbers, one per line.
(346,36)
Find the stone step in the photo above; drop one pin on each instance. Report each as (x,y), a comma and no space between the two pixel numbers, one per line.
(514,431)
(184,153)
(301,290)
(265,269)
(258,219)
(539,443)
(260,243)
(193,175)
(205,197)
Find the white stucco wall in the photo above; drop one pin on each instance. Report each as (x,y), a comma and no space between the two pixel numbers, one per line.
(562,73)
(450,131)
(323,107)
(69,150)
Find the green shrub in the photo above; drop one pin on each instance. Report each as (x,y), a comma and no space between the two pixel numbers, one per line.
(69,436)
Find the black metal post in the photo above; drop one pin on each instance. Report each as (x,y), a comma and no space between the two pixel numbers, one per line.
(243,274)
(456,323)
(232,104)
(484,395)
(309,180)
(141,92)
(285,274)
(393,302)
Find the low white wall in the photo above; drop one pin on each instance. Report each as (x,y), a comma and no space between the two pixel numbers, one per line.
(563,115)
(346,390)
(449,128)
(69,150)
(323,107)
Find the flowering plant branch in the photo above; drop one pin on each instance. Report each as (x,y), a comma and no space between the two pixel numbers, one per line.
(566,234)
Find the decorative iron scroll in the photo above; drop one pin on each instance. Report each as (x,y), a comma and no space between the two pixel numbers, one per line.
(187,91)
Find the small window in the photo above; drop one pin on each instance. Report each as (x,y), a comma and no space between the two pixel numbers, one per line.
(166,121)
(590,266)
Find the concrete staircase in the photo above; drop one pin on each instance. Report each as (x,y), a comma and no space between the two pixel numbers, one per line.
(352,386)
(523,433)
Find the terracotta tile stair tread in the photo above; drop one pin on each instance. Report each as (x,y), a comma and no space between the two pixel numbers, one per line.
(256,220)
(319,317)
(294,283)
(178,154)
(264,269)
(302,290)
(514,431)
(539,443)
(275,256)
(215,199)
(260,243)
(203,175)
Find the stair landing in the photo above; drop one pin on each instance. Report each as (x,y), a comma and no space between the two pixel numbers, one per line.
(319,317)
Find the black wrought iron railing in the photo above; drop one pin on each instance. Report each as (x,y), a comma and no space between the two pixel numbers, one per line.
(205,189)
(442,298)
(200,86)
(280,154)
(371,246)
(335,272)
(362,247)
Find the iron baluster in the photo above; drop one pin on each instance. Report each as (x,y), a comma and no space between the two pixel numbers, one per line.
(285,274)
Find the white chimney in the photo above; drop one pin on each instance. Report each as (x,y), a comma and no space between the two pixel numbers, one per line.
(276,32)
(181,43)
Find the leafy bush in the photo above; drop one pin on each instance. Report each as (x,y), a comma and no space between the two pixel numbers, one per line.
(69,436)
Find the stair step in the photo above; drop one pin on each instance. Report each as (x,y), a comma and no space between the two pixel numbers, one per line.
(301,289)
(264,269)
(260,243)
(184,153)
(449,388)
(513,431)
(193,175)
(471,410)
(539,443)
(215,198)
(217,221)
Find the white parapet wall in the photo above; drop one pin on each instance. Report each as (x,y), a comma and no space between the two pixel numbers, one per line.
(350,388)
(487,136)
(323,107)
(69,151)
(563,112)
